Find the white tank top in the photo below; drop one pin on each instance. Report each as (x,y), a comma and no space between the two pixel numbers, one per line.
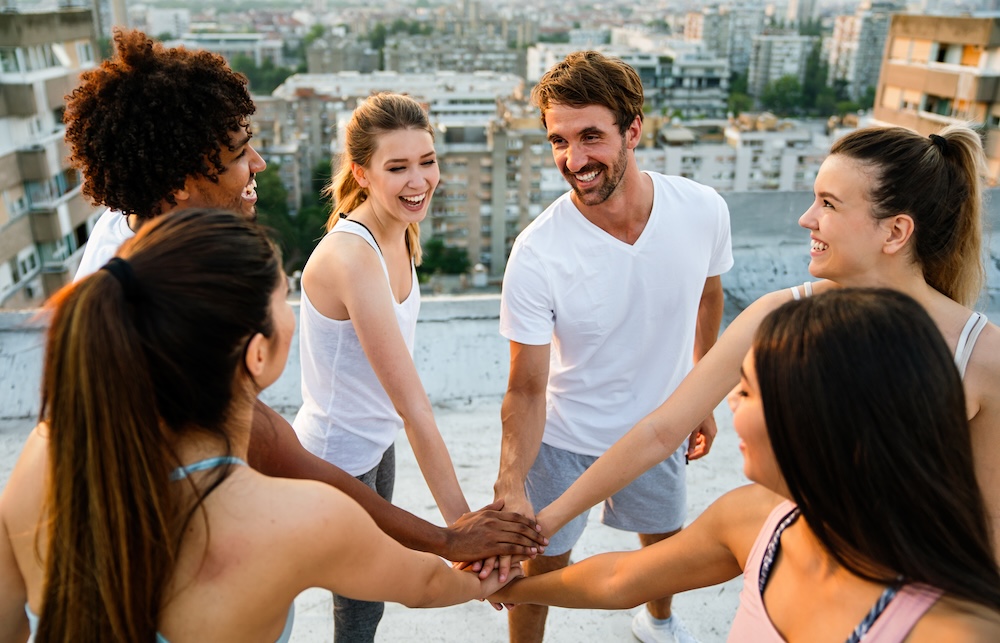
(966,341)
(347,417)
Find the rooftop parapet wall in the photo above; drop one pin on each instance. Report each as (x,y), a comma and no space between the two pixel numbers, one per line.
(459,352)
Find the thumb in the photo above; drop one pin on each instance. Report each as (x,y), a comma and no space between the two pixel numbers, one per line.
(496,505)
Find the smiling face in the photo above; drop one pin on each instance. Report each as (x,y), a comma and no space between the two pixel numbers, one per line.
(589,150)
(235,188)
(402,175)
(846,240)
(759,463)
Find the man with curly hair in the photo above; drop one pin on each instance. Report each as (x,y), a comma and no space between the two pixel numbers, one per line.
(155,130)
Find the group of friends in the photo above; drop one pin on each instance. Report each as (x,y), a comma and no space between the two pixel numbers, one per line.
(158,499)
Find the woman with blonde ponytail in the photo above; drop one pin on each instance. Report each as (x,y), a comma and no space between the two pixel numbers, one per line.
(130,515)
(360,300)
(892,209)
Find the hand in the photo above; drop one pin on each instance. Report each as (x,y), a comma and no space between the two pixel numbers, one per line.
(701,440)
(492,584)
(517,502)
(490,532)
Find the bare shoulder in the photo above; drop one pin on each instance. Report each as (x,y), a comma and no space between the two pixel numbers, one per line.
(738,516)
(338,254)
(957,621)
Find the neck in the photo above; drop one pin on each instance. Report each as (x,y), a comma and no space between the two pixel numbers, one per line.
(198,443)
(625,213)
(907,279)
(388,231)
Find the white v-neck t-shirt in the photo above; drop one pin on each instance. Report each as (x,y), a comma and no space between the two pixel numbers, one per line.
(620,318)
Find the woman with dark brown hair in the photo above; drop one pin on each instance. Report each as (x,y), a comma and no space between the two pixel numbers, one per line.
(865,521)
(130,515)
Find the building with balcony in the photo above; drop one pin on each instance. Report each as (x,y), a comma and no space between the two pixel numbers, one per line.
(855,50)
(44,218)
(775,56)
(939,70)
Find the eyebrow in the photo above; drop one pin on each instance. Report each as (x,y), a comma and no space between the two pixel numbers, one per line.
(828,195)
(423,156)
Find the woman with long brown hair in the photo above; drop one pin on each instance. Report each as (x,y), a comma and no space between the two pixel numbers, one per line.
(130,515)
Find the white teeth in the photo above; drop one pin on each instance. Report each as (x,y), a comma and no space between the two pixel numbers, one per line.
(251,189)
(818,246)
(584,178)
(414,200)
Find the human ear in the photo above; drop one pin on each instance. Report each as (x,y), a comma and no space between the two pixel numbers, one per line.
(359,174)
(256,355)
(898,231)
(634,133)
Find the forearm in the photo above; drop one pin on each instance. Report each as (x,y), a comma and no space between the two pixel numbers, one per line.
(438,470)
(275,450)
(709,321)
(523,419)
(589,583)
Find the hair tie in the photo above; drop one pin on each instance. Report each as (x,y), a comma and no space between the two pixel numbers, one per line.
(941,143)
(122,271)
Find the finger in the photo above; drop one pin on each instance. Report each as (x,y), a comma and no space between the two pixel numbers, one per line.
(496,505)
(487,568)
(504,568)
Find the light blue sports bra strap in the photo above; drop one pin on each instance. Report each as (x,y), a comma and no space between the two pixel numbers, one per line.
(202,465)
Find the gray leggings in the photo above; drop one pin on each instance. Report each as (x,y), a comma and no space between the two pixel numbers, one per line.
(356,621)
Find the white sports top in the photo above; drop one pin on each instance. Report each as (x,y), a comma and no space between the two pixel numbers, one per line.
(347,417)
(966,341)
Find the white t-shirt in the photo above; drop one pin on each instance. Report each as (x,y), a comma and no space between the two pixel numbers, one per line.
(620,318)
(110,232)
(347,418)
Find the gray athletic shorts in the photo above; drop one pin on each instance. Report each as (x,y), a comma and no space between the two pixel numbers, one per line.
(654,503)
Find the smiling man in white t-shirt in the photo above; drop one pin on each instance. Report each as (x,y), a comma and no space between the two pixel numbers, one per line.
(607,296)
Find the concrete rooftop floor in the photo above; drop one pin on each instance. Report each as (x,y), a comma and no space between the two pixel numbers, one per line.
(472,433)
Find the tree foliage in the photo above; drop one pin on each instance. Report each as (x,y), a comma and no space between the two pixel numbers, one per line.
(296,235)
(263,78)
(443,259)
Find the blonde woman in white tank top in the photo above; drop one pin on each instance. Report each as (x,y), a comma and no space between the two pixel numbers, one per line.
(911,221)
(360,300)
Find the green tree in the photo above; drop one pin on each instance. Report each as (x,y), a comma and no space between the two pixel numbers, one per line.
(783,96)
(739,103)
(444,259)
(815,77)
(377,36)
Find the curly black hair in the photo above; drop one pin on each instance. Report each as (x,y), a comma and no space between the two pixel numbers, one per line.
(148,118)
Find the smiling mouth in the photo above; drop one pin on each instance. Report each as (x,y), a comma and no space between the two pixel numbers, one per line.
(250,191)
(818,246)
(413,200)
(586,177)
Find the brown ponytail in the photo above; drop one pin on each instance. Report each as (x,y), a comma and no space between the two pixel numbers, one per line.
(131,366)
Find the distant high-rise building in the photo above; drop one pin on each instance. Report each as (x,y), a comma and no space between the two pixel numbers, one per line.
(856,47)
(44,218)
(939,70)
(801,11)
(776,56)
(727,31)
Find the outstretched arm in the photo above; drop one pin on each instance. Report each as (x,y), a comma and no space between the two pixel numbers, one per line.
(711,550)
(659,434)
(275,450)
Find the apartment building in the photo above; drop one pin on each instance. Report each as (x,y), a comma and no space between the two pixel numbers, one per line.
(727,31)
(856,46)
(44,218)
(755,152)
(939,70)
(774,56)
